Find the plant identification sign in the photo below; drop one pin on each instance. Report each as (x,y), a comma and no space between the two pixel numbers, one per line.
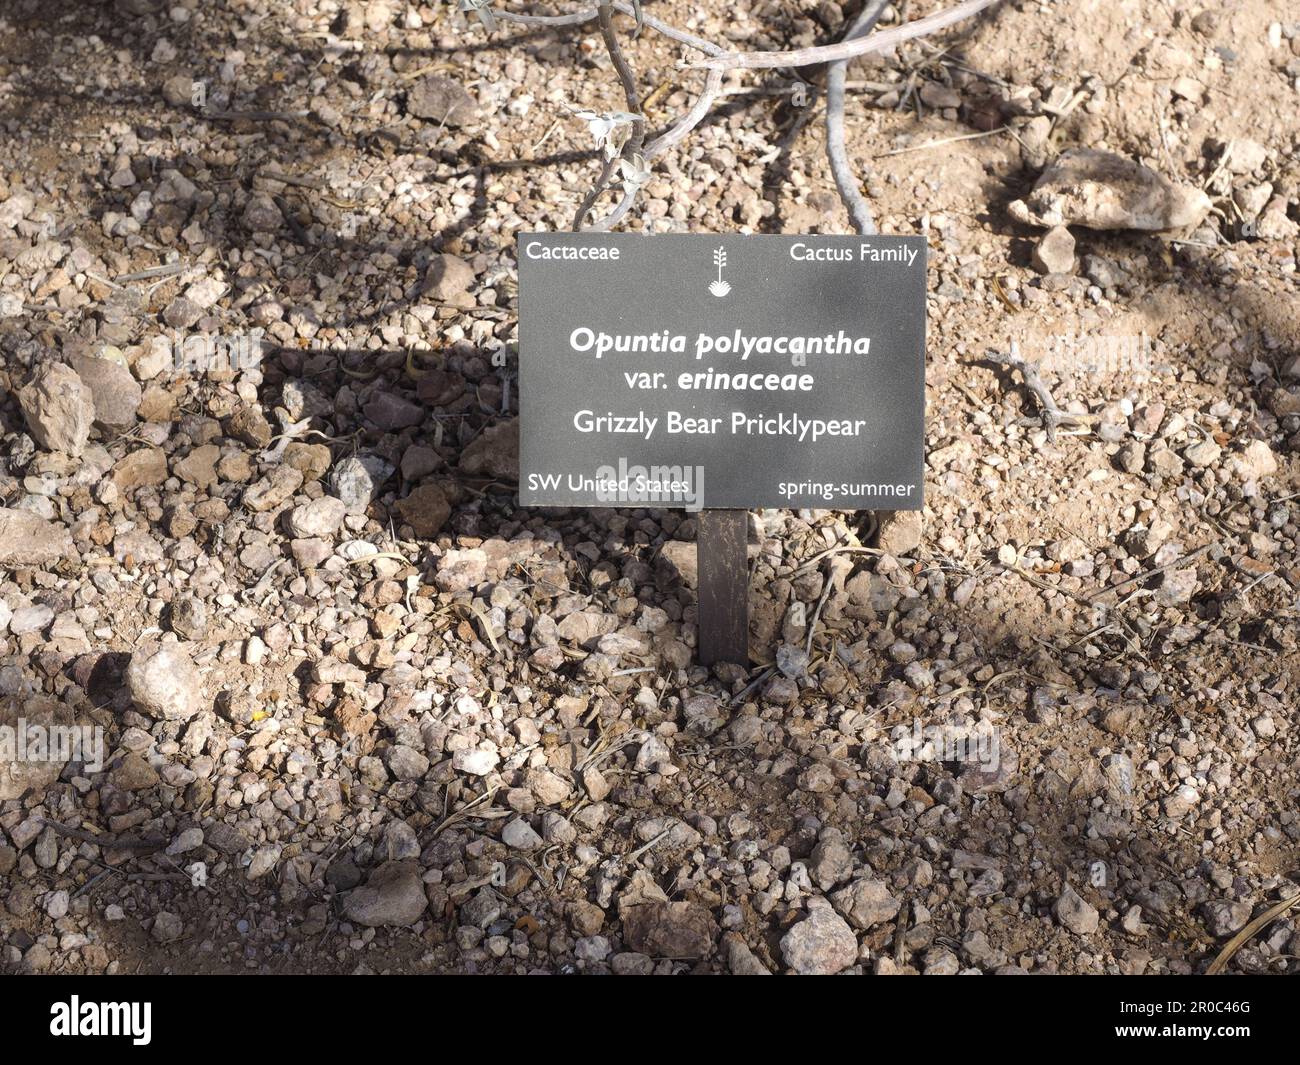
(721,371)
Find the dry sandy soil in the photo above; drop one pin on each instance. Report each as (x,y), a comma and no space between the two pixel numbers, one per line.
(421,729)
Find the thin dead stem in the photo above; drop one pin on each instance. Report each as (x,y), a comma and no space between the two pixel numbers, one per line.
(847,49)
(841,168)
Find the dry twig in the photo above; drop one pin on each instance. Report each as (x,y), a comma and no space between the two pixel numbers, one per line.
(849,48)
(845,179)
(632,97)
(1052,414)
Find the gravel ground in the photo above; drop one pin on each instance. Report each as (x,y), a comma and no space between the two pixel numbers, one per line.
(362,713)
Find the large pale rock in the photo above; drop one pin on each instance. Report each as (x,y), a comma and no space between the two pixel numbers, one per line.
(1055,252)
(1076,913)
(822,944)
(114,392)
(900,531)
(678,560)
(59,409)
(357,479)
(164,682)
(459,571)
(447,278)
(26,539)
(1102,190)
(147,466)
(866,903)
(1256,462)
(273,489)
(318,518)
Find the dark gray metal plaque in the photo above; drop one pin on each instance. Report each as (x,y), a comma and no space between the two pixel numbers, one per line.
(721,371)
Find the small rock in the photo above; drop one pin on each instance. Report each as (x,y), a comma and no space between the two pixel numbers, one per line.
(550,789)
(178,91)
(459,571)
(822,944)
(56,905)
(448,278)
(682,930)
(519,835)
(406,763)
(59,409)
(586,918)
(134,773)
(1205,452)
(114,392)
(1054,253)
(199,466)
(938,96)
(249,424)
(630,963)
(186,841)
(262,214)
(21,775)
(1274,223)
(494,453)
(792,661)
(272,490)
(866,903)
(29,540)
(1132,456)
(320,518)
(830,863)
(900,531)
(393,413)
(1177,586)
(164,682)
(146,467)
(741,961)
(418,461)
(392,897)
(1224,917)
(441,99)
(1075,912)
(357,479)
(1183,800)
(426,510)
(167,927)
(476,762)
(263,861)
(704,715)
(1245,156)
(678,560)
(1255,462)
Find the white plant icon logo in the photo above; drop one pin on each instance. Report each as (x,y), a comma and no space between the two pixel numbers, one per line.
(720,288)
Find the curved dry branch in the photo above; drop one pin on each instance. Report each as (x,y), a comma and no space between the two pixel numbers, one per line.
(675,134)
(831,53)
(589,201)
(670,138)
(841,168)
(577,18)
(632,148)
